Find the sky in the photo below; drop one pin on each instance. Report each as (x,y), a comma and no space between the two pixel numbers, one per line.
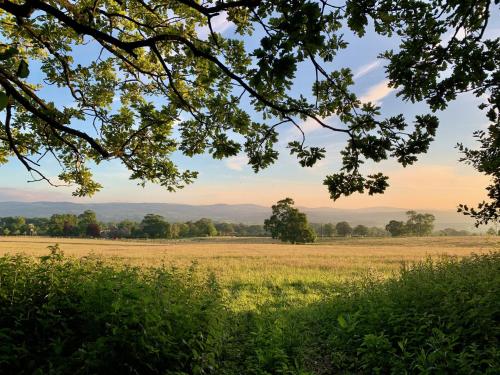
(437,181)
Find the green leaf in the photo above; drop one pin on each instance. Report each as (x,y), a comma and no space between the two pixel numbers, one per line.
(8,53)
(342,321)
(23,70)
(4,99)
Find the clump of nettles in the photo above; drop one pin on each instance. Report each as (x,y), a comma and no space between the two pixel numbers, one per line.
(61,315)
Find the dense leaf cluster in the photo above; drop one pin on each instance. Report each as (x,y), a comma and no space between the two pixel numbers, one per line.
(162,80)
(289,224)
(434,318)
(64,316)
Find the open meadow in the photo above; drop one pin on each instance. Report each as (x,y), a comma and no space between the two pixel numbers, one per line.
(257,271)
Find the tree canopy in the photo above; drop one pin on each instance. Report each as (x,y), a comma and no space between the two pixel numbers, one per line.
(289,224)
(343,228)
(418,224)
(161,64)
(396,228)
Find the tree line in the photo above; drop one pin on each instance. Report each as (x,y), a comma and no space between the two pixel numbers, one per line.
(151,226)
(286,223)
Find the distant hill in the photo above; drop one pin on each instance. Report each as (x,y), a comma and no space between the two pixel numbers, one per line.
(236,213)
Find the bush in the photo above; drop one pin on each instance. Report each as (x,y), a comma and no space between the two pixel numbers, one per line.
(61,315)
(435,318)
(68,316)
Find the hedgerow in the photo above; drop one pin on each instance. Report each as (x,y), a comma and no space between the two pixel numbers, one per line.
(69,316)
(61,315)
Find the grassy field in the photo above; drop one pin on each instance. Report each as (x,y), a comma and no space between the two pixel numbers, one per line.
(250,306)
(259,272)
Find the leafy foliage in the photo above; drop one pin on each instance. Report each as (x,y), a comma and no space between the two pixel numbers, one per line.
(433,318)
(343,228)
(487,161)
(159,64)
(417,225)
(288,224)
(62,316)
(361,230)
(396,228)
(154,226)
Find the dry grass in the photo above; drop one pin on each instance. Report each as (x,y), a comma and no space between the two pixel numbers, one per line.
(225,256)
(255,271)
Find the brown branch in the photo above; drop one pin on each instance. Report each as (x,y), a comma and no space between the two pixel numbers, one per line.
(220,6)
(129,47)
(53,123)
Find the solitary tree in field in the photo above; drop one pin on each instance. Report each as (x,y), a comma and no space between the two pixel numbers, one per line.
(343,229)
(289,224)
(150,64)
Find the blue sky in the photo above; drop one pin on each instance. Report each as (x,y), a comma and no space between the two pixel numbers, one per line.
(437,181)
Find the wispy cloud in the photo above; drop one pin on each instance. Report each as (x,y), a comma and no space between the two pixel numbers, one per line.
(374,94)
(237,163)
(365,69)
(377,92)
(311,125)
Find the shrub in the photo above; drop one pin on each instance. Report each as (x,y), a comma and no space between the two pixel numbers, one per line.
(60,315)
(434,318)
(68,316)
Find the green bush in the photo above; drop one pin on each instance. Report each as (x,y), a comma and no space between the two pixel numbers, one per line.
(439,318)
(67,316)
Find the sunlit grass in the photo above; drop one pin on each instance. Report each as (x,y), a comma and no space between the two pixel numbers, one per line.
(258,272)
